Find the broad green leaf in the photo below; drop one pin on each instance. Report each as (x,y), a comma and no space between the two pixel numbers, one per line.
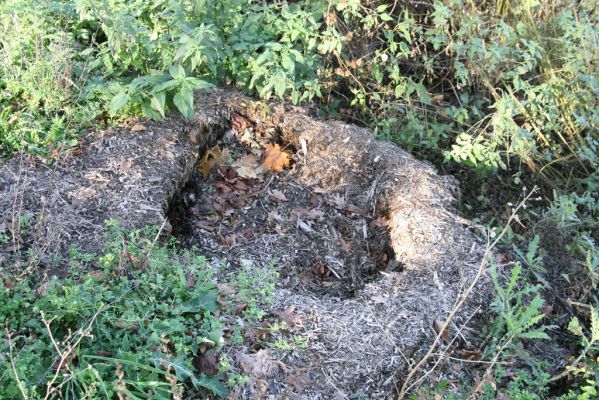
(119,101)
(204,301)
(195,83)
(164,86)
(385,17)
(184,101)
(158,102)
(213,384)
(279,83)
(148,111)
(176,71)
(574,327)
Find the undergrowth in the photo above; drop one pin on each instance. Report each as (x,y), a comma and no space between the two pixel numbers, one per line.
(503,94)
(134,327)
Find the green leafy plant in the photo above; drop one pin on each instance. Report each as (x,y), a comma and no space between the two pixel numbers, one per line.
(112,332)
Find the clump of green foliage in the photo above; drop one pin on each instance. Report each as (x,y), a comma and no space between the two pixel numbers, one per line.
(131,328)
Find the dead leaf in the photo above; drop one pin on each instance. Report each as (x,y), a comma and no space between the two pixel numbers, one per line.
(191,279)
(208,364)
(259,364)
(471,354)
(222,186)
(226,290)
(205,225)
(274,158)
(288,317)
(9,283)
(301,380)
(239,122)
(261,387)
(240,308)
(277,194)
(258,333)
(126,326)
(212,157)
(382,222)
(315,213)
(437,326)
(138,128)
(248,167)
(273,216)
(319,190)
(98,275)
(345,246)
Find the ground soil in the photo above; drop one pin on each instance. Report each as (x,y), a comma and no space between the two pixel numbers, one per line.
(368,246)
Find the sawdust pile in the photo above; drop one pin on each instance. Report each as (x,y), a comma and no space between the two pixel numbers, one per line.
(369,247)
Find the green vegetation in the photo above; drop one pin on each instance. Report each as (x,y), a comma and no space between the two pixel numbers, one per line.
(132,328)
(502,93)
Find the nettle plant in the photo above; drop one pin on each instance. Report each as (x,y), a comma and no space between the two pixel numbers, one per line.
(160,52)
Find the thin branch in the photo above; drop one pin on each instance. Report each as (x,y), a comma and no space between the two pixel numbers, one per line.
(461,299)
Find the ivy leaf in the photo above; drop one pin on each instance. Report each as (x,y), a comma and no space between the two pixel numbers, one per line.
(184,101)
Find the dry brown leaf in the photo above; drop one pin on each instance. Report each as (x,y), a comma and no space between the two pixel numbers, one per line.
(138,128)
(260,364)
(300,380)
(288,317)
(213,157)
(125,166)
(275,159)
(126,326)
(248,167)
(226,290)
(471,354)
(345,246)
(315,213)
(277,194)
(208,364)
(191,279)
(239,122)
(437,326)
(382,222)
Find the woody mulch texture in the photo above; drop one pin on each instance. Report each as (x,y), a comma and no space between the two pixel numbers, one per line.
(366,240)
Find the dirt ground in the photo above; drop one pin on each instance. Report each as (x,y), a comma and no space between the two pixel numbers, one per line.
(366,241)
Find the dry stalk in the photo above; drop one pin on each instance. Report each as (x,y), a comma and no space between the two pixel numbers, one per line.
(14,367)
(64,355)
(487,373)
(461,298)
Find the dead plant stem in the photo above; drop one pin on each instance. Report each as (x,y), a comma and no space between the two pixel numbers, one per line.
(462,297)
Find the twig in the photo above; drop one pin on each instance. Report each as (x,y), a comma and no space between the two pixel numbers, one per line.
(462,298)
(14,368)
(82,332)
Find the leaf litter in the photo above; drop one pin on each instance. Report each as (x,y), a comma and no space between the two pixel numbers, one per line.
(250,205)
(359,231)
